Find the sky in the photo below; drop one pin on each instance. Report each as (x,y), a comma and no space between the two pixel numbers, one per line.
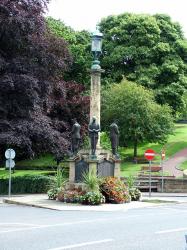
(85,14)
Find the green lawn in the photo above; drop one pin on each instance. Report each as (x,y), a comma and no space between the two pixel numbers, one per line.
(42,161)
(176,142)
(5,173)
(183,166)
(128,169)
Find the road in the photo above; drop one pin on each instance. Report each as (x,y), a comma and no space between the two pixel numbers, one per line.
(156,228)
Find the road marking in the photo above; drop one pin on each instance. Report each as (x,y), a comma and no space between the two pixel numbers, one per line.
(82,244)
(54,225)
(172,230)
(20,224)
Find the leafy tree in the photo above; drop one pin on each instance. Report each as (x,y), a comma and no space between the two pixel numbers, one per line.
(139,117)
(36,104)
(79,46)
(149,50)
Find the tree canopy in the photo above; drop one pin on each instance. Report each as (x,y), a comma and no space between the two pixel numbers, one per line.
(79,47)
(139,117)
(36,104)
(150,50)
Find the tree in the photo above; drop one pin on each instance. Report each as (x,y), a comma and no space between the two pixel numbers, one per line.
(140,118)
(36,104)
(150,50)
(79,44)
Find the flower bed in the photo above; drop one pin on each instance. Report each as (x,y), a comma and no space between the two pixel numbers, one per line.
(114,190)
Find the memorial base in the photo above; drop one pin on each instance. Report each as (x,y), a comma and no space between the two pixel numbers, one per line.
(103,165)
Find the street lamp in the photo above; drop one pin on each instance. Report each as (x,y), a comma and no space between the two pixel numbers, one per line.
(96,48)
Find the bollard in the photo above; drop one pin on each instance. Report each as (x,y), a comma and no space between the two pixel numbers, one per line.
(186,241)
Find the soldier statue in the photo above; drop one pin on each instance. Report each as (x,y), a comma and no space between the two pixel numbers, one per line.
(114,137)
(93,129)
(75,137)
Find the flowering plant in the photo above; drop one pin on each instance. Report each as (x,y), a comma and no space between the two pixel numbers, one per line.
(114,190)
(70,196)
(92,198)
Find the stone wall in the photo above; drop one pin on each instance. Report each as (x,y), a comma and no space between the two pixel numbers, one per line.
(173,185)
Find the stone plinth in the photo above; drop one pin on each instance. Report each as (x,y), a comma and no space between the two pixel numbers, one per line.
(104,165)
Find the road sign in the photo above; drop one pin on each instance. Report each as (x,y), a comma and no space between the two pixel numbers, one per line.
(10,163)
(10,153)
(163,155)
(149,154)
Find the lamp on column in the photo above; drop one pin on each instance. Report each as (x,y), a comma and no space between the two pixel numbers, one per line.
(96,48)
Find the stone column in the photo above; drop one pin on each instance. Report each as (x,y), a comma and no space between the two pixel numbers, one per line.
(71,171)
(95,96)
(93,167)
(117,170)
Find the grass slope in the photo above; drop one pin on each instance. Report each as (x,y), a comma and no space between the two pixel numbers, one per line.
(175,143)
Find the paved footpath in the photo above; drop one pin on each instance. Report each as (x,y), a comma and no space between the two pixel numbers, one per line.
(171,164)
(42,201)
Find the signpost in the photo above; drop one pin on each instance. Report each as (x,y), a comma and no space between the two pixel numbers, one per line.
(10,163)
(149,155)
(163,155)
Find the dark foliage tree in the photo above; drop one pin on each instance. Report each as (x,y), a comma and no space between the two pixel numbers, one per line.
(36,104)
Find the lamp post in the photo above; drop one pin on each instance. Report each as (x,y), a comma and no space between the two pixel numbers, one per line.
(96,71)
(96,49)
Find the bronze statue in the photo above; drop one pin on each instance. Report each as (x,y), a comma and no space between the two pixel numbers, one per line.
(75,137)
(93,129)
(114,137)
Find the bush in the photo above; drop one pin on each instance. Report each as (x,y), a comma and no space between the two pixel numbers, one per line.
(114,190)
(58,184)
(92,198)
(135,194)
(92,181)
(70,196)
(26,184)
(52,193)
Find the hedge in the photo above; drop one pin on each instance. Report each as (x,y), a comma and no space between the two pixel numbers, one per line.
(26,184)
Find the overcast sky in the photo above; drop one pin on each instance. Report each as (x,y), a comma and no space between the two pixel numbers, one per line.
(85,14)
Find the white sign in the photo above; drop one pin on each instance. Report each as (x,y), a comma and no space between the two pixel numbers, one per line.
(10,153)
(10,163)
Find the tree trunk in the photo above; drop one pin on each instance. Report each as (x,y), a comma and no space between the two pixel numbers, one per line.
(135,148)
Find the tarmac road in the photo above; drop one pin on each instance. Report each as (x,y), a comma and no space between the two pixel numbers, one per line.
(151,228)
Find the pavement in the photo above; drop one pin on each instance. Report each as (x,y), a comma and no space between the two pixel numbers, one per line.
(42,201)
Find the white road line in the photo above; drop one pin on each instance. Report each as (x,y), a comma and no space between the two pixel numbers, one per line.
(82,244)
(54,225)
(17,223)
(172,230)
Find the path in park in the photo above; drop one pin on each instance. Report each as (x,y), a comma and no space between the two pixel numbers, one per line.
(171,164)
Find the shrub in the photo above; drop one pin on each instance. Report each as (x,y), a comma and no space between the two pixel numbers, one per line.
(105,141)
(92,181)
(26,184)
(114,190)
(135,194)
(92,198)
(58,184)
(52,193)
(70,196)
